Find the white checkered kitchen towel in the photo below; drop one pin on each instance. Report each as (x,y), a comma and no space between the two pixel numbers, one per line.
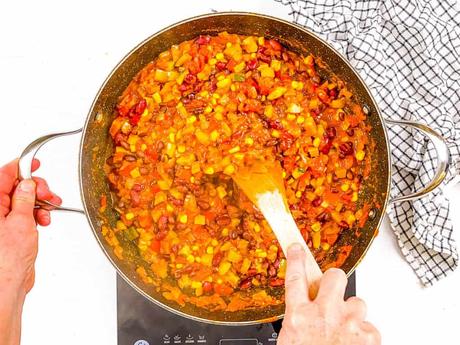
(408,52)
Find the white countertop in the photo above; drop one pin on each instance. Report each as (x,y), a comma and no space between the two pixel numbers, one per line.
(54,55)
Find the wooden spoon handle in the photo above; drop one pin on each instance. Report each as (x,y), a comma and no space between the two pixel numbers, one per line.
(287,233)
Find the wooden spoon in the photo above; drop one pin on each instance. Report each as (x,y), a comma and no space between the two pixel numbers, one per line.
(263,185)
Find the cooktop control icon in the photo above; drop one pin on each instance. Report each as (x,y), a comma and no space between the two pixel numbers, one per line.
(141,342)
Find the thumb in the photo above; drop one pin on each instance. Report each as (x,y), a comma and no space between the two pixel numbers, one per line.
(296,278)
(23,200)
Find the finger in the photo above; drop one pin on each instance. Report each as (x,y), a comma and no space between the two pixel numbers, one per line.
(332,286)
(9,175)
(43,217)
(372,334)
(5,202)
(43,191)
(356,307)
(23,200)
(296,279)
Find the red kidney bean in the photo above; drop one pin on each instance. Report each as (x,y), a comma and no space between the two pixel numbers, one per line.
(129,158)
(217,259)
(223,220)
(207,287)
(204,205)
(323,217)
(343,224)
(275,45)
(202,39)
(341,116)
(333,93)
(246,283)
(163,222)
(346,148)
(350,132)
(252,64)
(220,65)
(331,132)
(272,271)
(326,147)
(161,235)
(190,79)
(317,201)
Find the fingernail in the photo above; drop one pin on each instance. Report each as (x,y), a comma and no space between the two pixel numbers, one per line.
(26,186)
(296,247)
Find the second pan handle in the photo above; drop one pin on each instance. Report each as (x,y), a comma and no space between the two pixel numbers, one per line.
(25,168)
(442,155)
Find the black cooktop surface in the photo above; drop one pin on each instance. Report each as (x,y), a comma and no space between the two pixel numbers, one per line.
(140,322)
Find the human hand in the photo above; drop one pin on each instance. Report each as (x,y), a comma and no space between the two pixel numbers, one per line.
(18,219)
(328,319)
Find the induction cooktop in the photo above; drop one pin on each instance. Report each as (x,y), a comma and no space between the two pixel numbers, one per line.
(141,322)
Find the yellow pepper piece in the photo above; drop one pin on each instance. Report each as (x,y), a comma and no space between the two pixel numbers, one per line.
(277,93)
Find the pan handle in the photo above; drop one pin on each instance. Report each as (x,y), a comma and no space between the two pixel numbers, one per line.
(25,165)
(442,155)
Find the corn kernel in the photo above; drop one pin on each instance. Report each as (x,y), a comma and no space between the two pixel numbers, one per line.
(181,149)
(172,137)
(202,137)
(129,216)
(239,156)
(344,187)
(197,259)
(225,232)
(325,246)
(224,267)
(157,97)
(325,204)
(210,250)
(135,173)
(275,133)
(169,208)
(256,227)
(229,169)
(234,149)
(297,173)
(179,266)
(200,220)
(277,93)
(300,120)
(208,109)
(316,226)
(249,141)
(298,194)
(354,197)
(191,119)
(183,218)
(240,67)
(290,117)
(316,142)
(360,155)
(219,56)
(190,259)
(313,151)
(283,174)
(276,65)
(209,171)
(261,41)
(224,83)
(221,192)
(212,61)
(268,111)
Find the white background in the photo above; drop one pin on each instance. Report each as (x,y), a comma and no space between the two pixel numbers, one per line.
(53,58)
